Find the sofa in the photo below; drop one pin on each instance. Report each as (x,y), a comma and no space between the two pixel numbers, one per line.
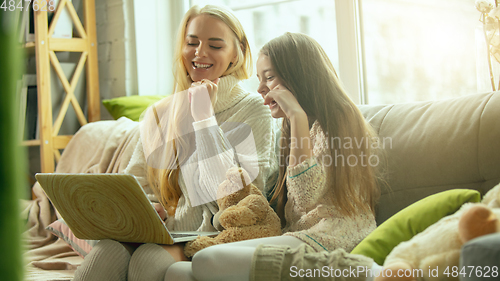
(438,156)
(437,146)
(431,147)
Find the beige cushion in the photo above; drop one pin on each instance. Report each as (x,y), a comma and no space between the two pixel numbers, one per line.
(437,145)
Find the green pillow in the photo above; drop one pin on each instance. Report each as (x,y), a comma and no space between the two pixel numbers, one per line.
(412,220)
(130,107)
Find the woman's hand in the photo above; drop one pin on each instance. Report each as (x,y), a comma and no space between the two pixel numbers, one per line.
(202,95)
(160,210)
(285,100)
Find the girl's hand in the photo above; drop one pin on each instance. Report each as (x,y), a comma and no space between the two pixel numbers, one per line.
(300,141)
(202,95)
(285,100)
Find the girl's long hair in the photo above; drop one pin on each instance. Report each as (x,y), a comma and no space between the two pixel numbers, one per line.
(305,69)
(165,182)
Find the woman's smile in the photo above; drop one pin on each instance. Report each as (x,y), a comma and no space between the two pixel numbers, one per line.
(201,66)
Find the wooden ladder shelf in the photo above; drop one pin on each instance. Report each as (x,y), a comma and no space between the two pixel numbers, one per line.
(45,47)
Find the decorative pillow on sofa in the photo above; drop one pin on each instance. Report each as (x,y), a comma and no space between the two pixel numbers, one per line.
(130,107)
(412,220)
(80,246)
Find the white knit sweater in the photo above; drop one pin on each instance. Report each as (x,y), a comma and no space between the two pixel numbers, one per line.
(234,106)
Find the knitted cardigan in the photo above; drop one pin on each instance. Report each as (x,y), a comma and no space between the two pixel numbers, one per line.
(309,214)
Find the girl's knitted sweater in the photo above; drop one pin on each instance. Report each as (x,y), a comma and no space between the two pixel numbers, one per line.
(310,214)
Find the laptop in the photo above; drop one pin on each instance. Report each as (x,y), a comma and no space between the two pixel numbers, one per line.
(109,206)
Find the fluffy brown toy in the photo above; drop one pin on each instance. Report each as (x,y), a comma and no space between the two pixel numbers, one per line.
(244,213)
(430,253)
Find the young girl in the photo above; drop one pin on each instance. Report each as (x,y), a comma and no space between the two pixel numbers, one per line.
(212,50)
(327,187)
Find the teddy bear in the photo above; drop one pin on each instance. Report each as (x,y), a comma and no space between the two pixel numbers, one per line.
(244,213)
(432,254)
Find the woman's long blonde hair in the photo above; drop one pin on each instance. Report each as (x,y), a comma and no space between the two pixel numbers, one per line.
(305,69)
(165,182)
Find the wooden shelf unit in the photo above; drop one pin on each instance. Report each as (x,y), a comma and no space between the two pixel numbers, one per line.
(45,47)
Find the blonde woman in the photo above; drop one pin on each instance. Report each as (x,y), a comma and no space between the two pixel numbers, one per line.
(212,51)
(327,187)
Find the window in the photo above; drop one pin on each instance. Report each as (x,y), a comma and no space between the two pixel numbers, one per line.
(391,51)
(418,49)
(265,20)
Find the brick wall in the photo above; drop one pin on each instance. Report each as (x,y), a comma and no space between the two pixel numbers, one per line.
(116,50)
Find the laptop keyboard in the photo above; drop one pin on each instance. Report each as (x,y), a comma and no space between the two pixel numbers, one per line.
(179,235)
